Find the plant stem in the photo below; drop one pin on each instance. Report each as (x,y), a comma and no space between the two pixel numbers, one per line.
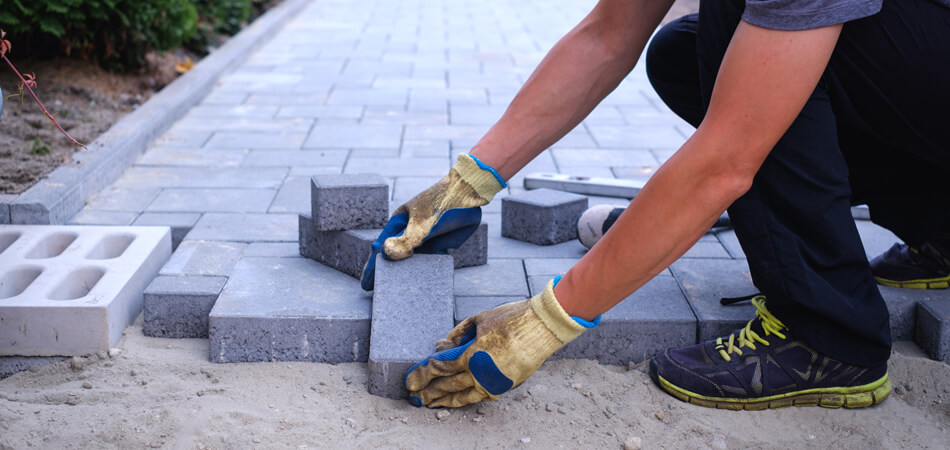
(38,102)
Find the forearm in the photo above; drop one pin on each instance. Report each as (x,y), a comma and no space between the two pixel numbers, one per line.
(764,81)
(579,71)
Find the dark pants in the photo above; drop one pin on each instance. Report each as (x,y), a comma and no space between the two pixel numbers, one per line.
(876,130)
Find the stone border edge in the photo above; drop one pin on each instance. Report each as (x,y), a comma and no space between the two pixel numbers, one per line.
(63,193)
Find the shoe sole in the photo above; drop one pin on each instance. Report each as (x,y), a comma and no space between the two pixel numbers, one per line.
(851,397)
(923,283)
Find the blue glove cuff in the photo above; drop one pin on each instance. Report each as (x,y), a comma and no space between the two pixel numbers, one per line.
(581,322)
(490,169)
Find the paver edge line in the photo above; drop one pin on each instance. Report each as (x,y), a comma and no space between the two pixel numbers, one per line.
(116,150)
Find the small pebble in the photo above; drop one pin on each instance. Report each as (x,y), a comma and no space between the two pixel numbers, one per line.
(102,355)
(550,407)
(87,385)
(477,419)
(75,363)
(482,410)
(133,372)
(660,415)
(520,396)
(113,352)
(576,387)
(632,443)
(443,414)
(526,440)
(351,422)
(257,440)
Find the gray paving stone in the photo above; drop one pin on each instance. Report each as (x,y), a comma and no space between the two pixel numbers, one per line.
(95,217)
(354,136)
(370,97)
(235,111)
(284,140)
(350,201)
(121,199)
(730,242)
(500,277)
(180,223)
(178,306)
(321,111)
(413,307)
(571,158)
(711,249)
(933,327)
(293,196)
(273,249)
(182,137)
(466,307)
(191,156)
(289,309)
(205,258)
(654,318)
(542,216)
(11,365)
(548,266)
(249,227)
(212,200)
(502,247)
(198,177)
(345,251)
(5,200)
(705,281)
(902,306)
(397,167)
(317,98)
(631,136)
(474,251)
(294,158)
(204,126)
(377,115)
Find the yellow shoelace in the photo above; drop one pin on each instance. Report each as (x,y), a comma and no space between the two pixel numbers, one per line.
(748,337)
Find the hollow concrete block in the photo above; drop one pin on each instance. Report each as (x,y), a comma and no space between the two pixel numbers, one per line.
(413,307)
(542,216)
(178,306)
(349,201)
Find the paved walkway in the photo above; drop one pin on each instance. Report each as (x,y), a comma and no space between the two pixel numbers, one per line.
(400,88)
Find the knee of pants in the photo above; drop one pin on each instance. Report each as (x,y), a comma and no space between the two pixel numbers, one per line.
(672,48)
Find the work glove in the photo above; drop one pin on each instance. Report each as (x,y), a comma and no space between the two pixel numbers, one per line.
(493,352)
(440,218)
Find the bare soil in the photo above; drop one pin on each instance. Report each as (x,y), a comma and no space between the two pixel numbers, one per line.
(85,99)
(163,393)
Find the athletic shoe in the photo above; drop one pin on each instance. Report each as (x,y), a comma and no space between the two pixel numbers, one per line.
(923,267)
(762,366)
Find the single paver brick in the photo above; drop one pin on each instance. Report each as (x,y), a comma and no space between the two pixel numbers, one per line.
(705,282)
(289,309)
(349,201)
(542,216)
(413,307)
(474,251)
(933,328)
(178,306)
(207,258)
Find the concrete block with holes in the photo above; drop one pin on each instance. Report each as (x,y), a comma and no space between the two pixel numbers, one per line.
(542,216)
(72,290)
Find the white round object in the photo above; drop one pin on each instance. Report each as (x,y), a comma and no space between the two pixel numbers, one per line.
(590,226)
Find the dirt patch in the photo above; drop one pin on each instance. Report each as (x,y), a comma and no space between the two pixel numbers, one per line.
(163,393)
(86,101)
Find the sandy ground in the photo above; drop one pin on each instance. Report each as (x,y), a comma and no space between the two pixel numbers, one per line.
(163,393)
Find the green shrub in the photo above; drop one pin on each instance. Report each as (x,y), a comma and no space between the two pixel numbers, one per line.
(218,17)
(117,33)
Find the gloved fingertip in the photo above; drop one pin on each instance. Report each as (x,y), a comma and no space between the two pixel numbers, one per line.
(395,249)
(415,401)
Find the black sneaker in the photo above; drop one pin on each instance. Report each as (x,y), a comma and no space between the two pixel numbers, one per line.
(762,366)
(923,267)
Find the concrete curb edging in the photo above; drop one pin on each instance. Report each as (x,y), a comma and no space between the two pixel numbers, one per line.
(63,193)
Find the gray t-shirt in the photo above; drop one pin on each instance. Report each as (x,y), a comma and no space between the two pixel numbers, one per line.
(808,14)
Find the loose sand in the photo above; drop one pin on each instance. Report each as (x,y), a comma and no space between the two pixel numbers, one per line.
(164,393)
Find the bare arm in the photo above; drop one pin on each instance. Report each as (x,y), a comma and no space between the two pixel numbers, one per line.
(579,71)
(764,81)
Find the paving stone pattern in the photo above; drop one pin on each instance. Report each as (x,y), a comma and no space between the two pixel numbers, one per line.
(400,89)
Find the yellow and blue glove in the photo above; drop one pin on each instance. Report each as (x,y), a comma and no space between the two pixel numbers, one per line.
(493,352)
(440,218)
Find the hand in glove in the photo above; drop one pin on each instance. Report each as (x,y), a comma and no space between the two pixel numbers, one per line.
(493,351)
(442,217)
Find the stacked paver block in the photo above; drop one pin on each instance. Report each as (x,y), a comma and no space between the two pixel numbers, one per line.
(349,202)
(933,327)
(542,216)
(336,234)
(413,307)
(289,309)
(178,302)
(71,290)
(178,306)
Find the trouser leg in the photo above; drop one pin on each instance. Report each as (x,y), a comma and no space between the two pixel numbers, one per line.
(794,224)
